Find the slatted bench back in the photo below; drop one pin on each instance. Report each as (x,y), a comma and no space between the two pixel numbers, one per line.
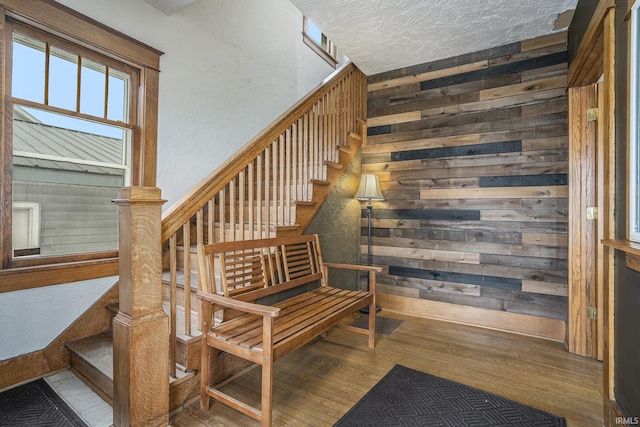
(251,269)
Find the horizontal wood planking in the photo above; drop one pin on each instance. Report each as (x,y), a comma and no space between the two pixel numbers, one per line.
(550,277)
(549,239)
(494,52)
(396,118)
(492,247)
(494,193)
(429,75)
(436,255)
(471,152)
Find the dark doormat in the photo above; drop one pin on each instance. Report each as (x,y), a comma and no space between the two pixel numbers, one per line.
(384,325)
(405,397)
(36,404)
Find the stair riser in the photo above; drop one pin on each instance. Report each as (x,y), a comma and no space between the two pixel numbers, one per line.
(193,259)
(188,355)
(93,377)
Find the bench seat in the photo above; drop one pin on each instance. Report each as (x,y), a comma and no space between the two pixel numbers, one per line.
(308,314)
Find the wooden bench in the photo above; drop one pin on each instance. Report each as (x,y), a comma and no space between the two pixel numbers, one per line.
(233,275)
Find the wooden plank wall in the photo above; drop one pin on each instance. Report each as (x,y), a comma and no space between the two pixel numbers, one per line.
(471,153)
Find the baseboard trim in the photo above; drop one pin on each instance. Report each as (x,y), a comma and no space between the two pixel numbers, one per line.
(549,329)
(21,369)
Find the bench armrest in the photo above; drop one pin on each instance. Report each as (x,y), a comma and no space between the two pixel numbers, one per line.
(370,268)
(246,307)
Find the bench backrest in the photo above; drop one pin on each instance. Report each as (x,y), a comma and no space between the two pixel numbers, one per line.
(250,269)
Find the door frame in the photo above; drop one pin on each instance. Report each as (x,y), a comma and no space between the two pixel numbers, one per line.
(594,58)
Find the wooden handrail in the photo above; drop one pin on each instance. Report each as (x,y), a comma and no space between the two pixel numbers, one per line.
(188,205)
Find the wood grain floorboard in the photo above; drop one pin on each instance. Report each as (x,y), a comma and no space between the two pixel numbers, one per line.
(317,384)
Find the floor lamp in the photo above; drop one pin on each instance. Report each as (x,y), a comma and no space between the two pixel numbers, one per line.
(369,190)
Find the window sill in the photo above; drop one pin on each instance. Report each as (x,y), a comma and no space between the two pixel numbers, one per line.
(19,279)
(319,50)
(631,249)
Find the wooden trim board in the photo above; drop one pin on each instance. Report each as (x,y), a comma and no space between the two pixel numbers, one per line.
(548,329)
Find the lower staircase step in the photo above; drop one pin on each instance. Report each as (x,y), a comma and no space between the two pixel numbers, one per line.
(92,362)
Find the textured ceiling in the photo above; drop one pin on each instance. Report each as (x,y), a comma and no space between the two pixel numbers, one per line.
(383,35)
(169,6)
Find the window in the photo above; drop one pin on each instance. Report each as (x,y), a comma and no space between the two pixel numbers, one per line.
(634,131)
(80,113)
(71,142)
(315,39)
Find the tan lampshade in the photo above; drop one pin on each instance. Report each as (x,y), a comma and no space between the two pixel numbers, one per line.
(369,188)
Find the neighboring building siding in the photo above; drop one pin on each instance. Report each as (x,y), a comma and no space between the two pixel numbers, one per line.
(73,218)
(472,156)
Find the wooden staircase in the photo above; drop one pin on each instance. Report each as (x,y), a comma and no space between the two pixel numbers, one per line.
(272,187)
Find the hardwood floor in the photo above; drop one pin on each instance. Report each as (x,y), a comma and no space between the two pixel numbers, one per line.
(317,384)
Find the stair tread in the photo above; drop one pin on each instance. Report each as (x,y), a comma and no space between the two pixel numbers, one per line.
(288,227)
(97,350)
(333,165)
(113,307)
(166,277)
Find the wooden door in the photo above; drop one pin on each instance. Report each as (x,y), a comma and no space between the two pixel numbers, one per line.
(584,329)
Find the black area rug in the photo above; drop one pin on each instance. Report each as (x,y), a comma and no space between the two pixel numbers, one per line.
(405,397)
(384,325)
(36,404)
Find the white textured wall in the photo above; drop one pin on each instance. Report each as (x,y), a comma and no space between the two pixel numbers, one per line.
(31,319)
(229,68)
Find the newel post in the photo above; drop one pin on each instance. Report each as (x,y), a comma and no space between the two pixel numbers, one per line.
(141,327)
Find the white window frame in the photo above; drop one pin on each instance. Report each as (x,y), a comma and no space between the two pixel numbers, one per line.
(633,220)
(33,229)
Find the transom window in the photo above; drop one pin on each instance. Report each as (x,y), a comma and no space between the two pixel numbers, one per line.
(71,145)
(315,39)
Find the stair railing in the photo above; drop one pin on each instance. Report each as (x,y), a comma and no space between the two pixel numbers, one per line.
(254,193)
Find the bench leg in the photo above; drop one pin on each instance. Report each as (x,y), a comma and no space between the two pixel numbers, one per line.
(205,357)
(205,363)
(267,371)
(267,392)
(372,325)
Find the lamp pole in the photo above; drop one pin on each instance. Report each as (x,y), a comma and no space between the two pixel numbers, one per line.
(369,214)
(365,310)
(369,190)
